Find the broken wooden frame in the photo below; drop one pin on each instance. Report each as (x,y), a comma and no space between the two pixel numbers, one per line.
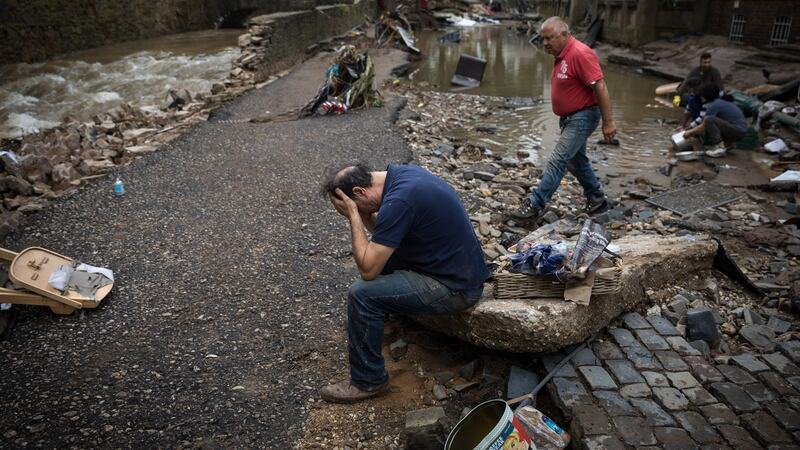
(30,269)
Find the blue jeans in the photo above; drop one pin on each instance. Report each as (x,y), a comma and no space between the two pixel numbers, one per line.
(570,154)
(401,292)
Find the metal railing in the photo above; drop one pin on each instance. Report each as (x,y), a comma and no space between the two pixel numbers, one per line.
(737,28)
(780,31)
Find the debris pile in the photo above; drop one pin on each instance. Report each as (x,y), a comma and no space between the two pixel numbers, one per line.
(253,46)
(492,185)
(394,26)
(349,83)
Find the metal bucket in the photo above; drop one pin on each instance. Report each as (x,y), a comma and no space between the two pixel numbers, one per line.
(680,143)
(489,426)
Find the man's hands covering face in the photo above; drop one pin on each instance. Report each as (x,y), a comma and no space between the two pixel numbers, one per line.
(344,205)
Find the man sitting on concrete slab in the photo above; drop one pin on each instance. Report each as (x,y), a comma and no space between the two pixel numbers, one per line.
(423,258)
(723,120)
(707,73)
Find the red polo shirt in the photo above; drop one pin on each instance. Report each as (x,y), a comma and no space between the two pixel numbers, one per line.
(576,69)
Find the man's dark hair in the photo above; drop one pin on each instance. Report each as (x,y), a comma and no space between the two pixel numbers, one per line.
(705,55)
(693,82)
(359,175)
(709,92)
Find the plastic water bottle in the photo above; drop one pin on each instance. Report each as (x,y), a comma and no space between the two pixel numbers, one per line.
(119,188)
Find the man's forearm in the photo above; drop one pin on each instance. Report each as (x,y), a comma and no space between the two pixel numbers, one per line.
(604,101)
(360,241)
(687,119)
(696,130)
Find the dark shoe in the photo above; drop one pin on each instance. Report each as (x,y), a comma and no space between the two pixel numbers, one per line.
(527,211)
(344,392)
(597,205)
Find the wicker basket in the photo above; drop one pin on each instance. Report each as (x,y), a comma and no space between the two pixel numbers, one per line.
(519,285)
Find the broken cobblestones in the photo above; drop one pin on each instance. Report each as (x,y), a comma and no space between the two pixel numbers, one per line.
(675,398)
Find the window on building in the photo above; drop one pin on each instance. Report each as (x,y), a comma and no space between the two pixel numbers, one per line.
(737,28)
(780,31)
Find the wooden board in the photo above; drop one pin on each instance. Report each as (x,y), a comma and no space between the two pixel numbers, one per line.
(666,89)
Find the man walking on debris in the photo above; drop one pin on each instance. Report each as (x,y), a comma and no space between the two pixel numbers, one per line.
(424,258)
(580,97)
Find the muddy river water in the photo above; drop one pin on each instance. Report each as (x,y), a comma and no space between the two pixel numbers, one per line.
(39,95)
(516,68)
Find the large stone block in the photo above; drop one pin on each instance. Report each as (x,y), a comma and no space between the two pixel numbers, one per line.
(542,325)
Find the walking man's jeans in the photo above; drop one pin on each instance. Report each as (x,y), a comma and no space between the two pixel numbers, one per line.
(401,292)
(721,130)
(570,154)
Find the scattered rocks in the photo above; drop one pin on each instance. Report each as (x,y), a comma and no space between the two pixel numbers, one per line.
(759,336)
(424,428)
(701,325)
(520,382)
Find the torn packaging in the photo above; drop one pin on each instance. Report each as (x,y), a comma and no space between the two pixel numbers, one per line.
(591,243)
(82,278)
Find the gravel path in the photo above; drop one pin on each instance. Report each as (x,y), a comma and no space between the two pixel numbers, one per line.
(231,281)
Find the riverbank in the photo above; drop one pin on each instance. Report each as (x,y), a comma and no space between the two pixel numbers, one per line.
(42,166)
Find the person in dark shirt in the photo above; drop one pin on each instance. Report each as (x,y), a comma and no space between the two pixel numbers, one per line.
(423,258)
(694,104)
(723,121)
(707,73)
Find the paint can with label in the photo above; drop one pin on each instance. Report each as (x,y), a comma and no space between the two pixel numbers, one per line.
(489,426)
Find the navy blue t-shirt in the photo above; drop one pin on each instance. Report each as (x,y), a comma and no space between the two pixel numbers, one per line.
(422,218)
(727,111)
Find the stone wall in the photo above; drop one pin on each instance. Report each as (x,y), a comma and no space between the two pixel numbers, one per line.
(277,41)
(35,30)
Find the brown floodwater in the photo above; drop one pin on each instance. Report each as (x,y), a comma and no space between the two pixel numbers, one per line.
(517,69)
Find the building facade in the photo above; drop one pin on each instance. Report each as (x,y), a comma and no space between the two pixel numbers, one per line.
(762,23)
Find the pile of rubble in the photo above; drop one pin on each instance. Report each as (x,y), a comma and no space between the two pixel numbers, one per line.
(718,320)
(253,46)
(44,165)
(493,185)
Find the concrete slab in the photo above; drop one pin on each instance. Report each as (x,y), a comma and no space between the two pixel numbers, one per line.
(536,325)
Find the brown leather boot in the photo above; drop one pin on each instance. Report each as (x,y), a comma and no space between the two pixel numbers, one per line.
(344,392)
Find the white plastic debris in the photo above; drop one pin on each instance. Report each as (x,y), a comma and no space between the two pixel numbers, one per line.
(11,155)
(790,176)
(60,278)
(776,146)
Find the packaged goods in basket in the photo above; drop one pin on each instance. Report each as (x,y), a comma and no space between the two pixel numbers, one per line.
(566,264)
(546,270)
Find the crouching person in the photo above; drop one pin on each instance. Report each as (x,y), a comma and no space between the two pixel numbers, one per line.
(423,258)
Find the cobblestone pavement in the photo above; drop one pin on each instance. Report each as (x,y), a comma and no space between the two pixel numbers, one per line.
(644,386)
